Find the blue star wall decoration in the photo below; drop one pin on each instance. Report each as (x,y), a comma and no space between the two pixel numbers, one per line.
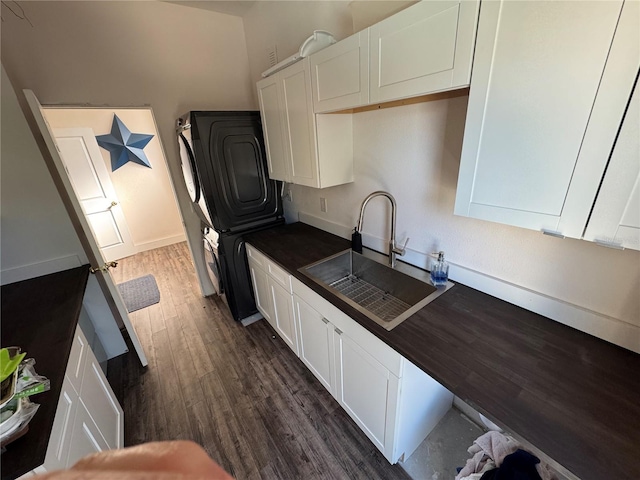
(124,146)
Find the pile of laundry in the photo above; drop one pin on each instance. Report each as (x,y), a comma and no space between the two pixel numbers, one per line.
(499,457)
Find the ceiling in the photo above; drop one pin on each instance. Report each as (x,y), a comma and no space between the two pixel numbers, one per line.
(237,7)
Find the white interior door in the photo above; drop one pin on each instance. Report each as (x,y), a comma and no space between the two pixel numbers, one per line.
(92,250)
(92,185)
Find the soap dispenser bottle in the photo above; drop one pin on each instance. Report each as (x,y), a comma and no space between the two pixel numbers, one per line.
(439,270)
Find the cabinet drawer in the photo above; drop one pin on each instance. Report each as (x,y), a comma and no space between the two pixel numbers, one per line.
(257,257)
(279,275)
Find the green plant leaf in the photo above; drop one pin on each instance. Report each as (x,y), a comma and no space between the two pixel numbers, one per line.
(8,365)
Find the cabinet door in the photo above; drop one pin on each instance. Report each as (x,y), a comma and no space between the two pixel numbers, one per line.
(85,437)
(272,126)
(340,74)
(316,343)
(102,404)
(77,360)
(367,391)
(423,49)
(615,219)
(282,303)
(261,291)
(300,125)
(60,439)
(537,69)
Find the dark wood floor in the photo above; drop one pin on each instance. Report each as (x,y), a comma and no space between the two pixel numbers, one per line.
(239,392)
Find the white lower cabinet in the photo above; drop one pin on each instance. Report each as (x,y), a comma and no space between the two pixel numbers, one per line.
(394,402)
(261,291)
(89,418)
(283,314)
(316,343)
(101,404)
(272,293)
(86,438)
(367,390)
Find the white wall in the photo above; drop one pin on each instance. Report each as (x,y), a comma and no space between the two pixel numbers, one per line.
(286,25)
(123,54)
(144,194)
(413,152)
(36,234)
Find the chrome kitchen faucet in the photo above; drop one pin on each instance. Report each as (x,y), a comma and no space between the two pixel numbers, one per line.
(393,250)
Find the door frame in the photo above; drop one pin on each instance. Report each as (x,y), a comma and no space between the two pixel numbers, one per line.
(44,138)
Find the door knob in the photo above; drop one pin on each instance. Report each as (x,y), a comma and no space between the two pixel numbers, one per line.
(113,204)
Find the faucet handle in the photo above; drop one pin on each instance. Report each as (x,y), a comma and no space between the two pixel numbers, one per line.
(405,245)
(401,251)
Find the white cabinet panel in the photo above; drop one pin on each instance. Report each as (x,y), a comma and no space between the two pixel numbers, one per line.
(616,215)
(423,49)
(282,303)
(340,74)
(102,405)
(316,152)
(261,291)
(77,358)
(300,124)
(85,438)
(88,417)
(60,439)
(537,69)
(272,127)
(315,335)
(365,389)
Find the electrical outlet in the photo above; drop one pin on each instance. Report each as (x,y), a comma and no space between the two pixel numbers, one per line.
(323,204)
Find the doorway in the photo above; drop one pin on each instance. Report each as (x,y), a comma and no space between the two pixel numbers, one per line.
(132,208)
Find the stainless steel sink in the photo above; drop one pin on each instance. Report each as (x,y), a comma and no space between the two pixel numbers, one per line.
(385,295)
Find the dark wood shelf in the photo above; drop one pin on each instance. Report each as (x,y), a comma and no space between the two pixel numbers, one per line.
(40,316)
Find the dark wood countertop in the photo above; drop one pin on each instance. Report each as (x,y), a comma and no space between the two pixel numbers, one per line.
(571,395)
(40,316)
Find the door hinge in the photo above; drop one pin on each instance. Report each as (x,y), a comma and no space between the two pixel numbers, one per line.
(104,267)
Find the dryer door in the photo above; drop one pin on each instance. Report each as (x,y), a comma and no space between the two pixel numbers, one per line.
(190,173)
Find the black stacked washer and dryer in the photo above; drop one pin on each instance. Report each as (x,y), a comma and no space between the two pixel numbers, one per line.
(225,168)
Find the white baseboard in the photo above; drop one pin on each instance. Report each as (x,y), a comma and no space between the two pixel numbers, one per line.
(162,242)
(33,270)
(602,326)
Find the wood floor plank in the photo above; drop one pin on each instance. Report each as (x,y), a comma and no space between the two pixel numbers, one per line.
(238,391)
(170,390)
(156,317)
(195,345)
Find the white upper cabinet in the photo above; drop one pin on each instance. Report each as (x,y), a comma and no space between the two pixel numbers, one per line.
(272,126)
(423,49)
(302,147)
(299,124)
(543,110)
(615,219)
(340,74)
